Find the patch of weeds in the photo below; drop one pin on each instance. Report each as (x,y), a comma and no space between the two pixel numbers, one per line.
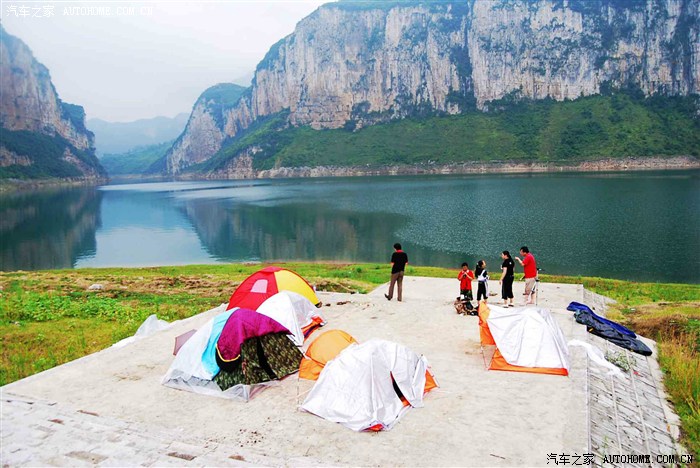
(620,359)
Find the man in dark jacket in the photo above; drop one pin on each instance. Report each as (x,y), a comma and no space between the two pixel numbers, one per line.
(399,259)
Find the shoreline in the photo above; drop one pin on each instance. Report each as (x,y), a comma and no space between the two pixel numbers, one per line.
(609,165)
(322,265)
(19,185)
(495,167)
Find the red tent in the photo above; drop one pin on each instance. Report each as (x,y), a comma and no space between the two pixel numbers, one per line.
(267,282)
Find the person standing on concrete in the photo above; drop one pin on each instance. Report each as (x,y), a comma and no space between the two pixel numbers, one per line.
(465,277)
(482,280)
(530,267)
(507,277)
(399,260)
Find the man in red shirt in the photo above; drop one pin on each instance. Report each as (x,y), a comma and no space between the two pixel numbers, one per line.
(530,267)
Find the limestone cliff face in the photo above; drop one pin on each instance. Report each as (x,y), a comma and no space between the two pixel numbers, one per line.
(201,140)
(546,49)
(30,106)
(340,63)
(352,64)
(204,133)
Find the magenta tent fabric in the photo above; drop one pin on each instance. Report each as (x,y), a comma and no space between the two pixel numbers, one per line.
(241,326)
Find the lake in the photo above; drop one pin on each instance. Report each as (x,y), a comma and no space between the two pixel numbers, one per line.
(640,226)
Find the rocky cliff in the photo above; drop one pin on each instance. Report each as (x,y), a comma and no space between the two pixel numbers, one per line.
(204,132)
(41,135)
(354,64)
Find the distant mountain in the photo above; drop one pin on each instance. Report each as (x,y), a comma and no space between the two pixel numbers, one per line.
(420,82)
(121,137)
(135,161)
(204,131)
(40,135)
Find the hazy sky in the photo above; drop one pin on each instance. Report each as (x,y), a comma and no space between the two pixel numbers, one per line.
(141,59)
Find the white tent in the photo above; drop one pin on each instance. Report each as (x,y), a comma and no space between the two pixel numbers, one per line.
(356,388)
(528,337)
(188,371)
(194,366)
(291,310)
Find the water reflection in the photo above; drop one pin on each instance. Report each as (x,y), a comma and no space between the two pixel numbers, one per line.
(143,228)
(631,226)
(49,228)
(295,231)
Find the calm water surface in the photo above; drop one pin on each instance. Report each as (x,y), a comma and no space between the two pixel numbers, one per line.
(641,226)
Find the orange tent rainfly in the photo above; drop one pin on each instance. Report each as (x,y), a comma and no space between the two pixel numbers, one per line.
(267,282)
(527,339)
(323,349)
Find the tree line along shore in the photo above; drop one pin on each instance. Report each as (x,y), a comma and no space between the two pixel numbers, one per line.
(621,165)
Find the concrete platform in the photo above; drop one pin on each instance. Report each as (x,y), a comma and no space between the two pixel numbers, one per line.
(109,408)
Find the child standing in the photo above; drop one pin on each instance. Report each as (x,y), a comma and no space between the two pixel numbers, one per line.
(482,277)
(465,277)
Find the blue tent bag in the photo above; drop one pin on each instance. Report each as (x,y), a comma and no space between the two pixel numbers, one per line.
(577,306)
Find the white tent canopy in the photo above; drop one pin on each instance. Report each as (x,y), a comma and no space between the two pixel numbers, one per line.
(528,337)
(190,372)
(291,310)
(356,388)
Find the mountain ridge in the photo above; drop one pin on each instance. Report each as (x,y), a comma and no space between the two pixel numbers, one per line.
(41,136)
(354,65)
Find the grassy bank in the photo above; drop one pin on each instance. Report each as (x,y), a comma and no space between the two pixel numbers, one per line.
(50,317)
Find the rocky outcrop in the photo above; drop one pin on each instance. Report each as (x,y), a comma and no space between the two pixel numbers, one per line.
(355,64)
(10,158)
(33,118)
(565,50)
(201,140)
(598,165)
(240,167)
(204,133)
(341,63)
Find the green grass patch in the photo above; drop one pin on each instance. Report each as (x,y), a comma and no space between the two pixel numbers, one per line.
(629,292)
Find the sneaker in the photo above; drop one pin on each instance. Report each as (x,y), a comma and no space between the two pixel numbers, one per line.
(511,305)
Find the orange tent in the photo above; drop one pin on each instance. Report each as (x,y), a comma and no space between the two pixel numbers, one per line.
(484,332)
(527,340)
(324,348)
